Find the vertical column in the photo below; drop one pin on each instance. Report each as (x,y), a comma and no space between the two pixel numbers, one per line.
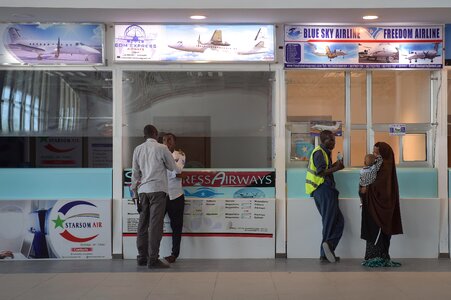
(440,116)
(347,131)
(279,161)
(117,163)
(369,116)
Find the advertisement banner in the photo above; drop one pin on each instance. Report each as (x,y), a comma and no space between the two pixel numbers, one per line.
(308,46)
(52,44)
(194,43)
(59,229)
(61,152)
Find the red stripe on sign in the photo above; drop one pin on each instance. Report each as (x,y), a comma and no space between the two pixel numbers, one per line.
(252,235)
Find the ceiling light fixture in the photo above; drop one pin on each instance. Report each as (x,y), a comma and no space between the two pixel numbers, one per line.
(370,17)
(198,17)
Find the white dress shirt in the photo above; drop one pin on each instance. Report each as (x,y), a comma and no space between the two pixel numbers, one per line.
(151,161)
(175,188)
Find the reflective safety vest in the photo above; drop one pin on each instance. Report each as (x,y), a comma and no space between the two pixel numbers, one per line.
(313,181)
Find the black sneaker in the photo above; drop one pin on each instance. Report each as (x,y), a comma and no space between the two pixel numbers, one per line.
(158,264)
(324,259)
(328,252)
(141,261)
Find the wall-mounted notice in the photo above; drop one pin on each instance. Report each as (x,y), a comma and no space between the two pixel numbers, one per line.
(52,44)
(63,229)
(397,129)
(194,43)
(364,47)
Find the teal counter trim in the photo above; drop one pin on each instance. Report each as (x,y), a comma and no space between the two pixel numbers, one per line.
(61,183)
(413,182)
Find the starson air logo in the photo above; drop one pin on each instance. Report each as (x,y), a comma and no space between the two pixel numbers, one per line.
(78,222)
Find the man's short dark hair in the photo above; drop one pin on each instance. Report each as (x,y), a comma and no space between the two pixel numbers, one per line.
(170,134)
(150,131)
(324,135)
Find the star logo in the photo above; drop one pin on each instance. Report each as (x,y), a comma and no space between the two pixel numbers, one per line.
(58,222)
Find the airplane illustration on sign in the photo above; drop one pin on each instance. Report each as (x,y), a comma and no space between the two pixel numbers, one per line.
(421,54)
(382,51)
(330,54)
(44,48)
(322,127)
(217,44)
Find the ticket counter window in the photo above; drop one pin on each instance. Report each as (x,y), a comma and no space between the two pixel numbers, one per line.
(220,119)
(368,104)
(55,119)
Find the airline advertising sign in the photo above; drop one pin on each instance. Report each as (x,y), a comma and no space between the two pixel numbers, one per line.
(62,229)
(194,43)
(52,44)
(419,47)
(448,44)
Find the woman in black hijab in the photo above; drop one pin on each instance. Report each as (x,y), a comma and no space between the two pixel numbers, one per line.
(381,216)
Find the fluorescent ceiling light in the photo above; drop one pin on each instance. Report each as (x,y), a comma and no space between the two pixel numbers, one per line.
(198,17)
(370,17)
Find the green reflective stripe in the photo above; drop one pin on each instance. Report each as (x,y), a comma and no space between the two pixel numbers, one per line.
(311,183)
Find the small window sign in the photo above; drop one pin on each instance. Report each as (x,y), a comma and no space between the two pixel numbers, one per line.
(397,129)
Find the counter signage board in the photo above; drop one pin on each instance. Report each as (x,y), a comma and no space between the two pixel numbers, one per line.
(194,43)
(55,229)
(52,44)
(222,202)
(410,47)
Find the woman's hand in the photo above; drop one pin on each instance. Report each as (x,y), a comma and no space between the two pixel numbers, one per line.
(363,189)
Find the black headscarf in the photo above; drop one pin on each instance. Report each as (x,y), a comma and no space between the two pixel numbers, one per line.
(382,197)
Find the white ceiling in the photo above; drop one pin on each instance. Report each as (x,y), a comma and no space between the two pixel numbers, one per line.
(276,16)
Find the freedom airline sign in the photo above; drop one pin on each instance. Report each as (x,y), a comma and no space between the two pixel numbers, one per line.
(364,47)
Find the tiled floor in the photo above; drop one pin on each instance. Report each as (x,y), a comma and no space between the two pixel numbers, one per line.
(224,279)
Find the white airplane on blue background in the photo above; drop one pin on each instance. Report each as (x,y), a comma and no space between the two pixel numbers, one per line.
(423,54)
(327,52)
(46,47)
(217,44)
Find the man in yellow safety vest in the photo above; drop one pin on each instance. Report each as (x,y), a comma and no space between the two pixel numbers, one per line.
(320,184)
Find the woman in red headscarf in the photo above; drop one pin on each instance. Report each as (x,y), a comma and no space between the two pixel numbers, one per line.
(381,216)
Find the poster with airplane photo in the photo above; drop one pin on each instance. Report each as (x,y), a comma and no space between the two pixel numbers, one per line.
(334,126)
(194,43)
(52,44)
(331,53)
(348,46)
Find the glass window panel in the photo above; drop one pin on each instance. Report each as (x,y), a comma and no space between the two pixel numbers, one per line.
(358,97)
(221,119)
(315,95)
(401,96)
(39,101)
(392,140)
(414,147)
(358,147)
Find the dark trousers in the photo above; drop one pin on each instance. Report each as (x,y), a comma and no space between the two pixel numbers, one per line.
(326,200)
(150,225)
(175,208)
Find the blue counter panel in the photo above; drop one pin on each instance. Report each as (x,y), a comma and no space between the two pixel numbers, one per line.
(61,183)
(413,182)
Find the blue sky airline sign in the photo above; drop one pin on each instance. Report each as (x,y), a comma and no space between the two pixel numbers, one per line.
(448,44)
(419,47)
(52,44)
(194,43)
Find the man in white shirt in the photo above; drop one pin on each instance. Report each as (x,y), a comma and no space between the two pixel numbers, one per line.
(151,161)
(175,203)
